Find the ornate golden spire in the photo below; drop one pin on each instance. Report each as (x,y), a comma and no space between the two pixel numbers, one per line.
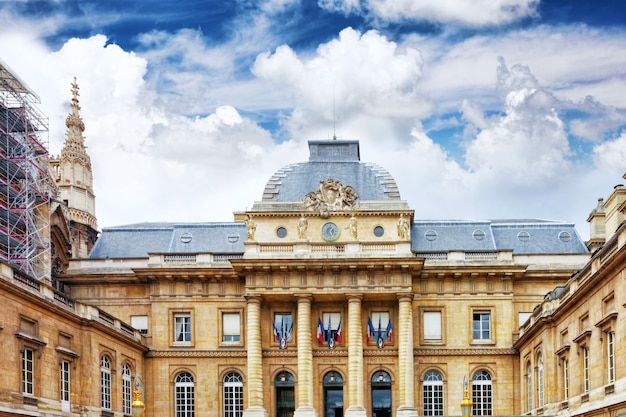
(74,148)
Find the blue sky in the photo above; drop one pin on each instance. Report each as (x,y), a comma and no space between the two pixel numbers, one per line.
(479,109)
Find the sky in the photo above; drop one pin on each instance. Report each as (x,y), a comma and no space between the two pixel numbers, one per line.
(480,109)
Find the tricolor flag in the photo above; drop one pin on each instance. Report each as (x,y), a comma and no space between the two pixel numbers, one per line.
(288,334)
(389,330)
(370,330)
(379,340)
(320,331)
(339,332)
(276,335)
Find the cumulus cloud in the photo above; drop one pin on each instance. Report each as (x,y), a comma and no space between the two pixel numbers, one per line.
(461,12)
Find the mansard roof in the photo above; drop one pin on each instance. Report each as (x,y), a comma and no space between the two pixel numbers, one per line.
(138,240)
(337,159)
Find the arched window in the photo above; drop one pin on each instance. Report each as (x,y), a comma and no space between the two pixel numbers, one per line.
(233,395)
(185,397)
(333,394)
(105,383)
(540,380)
(126,390)
(381,394)
(482,396)
(433,393)
(285,394)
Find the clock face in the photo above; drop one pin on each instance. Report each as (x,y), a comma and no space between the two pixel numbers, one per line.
(330,231)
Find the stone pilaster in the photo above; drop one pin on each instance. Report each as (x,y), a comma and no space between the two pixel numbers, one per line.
(305,359)
(406,391)
(255,359)
(355,358)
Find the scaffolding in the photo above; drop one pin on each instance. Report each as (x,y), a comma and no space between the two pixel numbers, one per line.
(24,189)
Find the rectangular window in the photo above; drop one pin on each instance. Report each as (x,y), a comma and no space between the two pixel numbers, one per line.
(28,367)
(331,325)
(182,327)
(140,323)
(585,369)
(382,325)
(432,325)
(565,379)
(283,327)
(231,329)
(65,386)
(610,351)
(481,325)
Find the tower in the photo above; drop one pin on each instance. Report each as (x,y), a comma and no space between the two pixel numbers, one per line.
(74,179)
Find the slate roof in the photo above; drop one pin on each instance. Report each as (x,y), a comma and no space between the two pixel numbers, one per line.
(524,236)
(336,159)
(138,240)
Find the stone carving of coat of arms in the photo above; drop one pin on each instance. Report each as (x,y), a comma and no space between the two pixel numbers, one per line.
(332,195)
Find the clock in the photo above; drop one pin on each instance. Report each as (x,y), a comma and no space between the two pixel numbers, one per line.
(330,231)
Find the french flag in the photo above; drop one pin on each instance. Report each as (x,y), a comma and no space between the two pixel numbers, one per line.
(389,330)
(370,329)
(276,335)
(339,332)
(320,331)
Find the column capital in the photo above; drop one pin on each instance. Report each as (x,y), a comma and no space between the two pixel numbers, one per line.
(405,296)
(354,297)
(304,297)
(254,298)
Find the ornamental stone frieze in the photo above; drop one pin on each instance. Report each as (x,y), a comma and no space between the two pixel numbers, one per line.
(332,195)
(196,354)
(464,352)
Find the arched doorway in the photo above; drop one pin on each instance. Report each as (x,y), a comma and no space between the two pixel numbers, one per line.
(285,396)
(333,394)
(381,394)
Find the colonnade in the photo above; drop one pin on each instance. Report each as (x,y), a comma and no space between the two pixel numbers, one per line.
(355,398)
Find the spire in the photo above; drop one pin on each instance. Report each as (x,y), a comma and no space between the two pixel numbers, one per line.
(74,149)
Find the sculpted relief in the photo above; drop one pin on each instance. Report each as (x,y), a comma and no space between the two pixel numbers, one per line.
(332,195)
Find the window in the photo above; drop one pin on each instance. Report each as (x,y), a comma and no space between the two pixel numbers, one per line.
(182,327)
(432,325)
(482,398)
(140,323)
(233,395)
(565,379)
(332,321)
(28,367)
(185,397)
(381,322)
(529,387)
(433,394)
(65,386)
(585,369)
(333,394)
(540,381)
(231,327)
(481,325)
(105,383)
(126,390)
(283,327)
(610,357)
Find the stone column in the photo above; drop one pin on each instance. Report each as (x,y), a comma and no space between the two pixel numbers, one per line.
(356,382)
(255,358)
(406,373)
(305,358)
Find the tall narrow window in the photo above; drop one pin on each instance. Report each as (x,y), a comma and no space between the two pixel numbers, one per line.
(283,327)
(565,379)
(185,395)
(585,369)
(332,328)
(231,327)
(529,387)
(481,325)
(126,390)
(333,394)
(540,381)
(381,321)
(610,357)
(65,386)
(432,325)
(105,383)
(433,394)
(482,397)
(182,327)
(233,395)
(382,405)
(28,366)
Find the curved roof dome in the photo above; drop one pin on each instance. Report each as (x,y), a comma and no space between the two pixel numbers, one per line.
(336,159)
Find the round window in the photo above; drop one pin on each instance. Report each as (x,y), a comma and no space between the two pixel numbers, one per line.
(281,232)
(379,231)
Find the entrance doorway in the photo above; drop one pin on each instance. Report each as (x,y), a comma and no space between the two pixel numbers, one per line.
(333,394)
(381,394)
(285,396)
